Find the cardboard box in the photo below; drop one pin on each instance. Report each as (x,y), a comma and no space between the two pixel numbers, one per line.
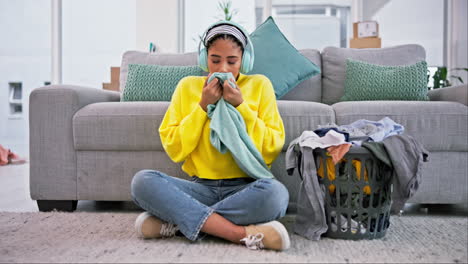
(366,29)
(363,43)
(115,74)
(111,86)
(114,85)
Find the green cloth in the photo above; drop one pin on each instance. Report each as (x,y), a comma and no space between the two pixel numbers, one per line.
(155,82)
(228,132)
(379,151)
(278,60)
(365,81)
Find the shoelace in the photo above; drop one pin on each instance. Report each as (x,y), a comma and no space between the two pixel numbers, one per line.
(168,230)
(254,241)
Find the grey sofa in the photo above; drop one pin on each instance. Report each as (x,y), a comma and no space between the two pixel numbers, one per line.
(86,145)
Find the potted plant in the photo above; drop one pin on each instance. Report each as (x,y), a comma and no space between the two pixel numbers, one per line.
(440,77)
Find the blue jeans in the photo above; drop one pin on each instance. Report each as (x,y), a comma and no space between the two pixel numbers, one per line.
(188,204)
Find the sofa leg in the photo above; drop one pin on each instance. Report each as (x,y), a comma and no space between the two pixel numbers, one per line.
(60,205)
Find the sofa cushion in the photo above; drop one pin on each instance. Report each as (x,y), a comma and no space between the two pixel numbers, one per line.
(310,89)
(155,82)
(439,126)
(277,59)
(107,175)
(134,125)
(334,64)
(298,116)
(139,57)
(367,81)
(119,126)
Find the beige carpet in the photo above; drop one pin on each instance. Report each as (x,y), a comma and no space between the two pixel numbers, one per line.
(109,237)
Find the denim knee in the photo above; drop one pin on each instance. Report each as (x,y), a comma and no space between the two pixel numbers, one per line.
(138,184)
(278,199)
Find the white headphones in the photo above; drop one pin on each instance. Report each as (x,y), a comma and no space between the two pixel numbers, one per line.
(247,56)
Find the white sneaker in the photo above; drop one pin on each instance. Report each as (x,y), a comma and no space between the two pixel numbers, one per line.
(149,226)
(271,235)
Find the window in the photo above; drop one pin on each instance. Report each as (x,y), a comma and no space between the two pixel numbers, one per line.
(199,16)
(311,24)
(15,98)
(308,24)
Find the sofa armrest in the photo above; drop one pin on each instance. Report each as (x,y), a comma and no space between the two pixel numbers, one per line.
(52,154)
(457,93)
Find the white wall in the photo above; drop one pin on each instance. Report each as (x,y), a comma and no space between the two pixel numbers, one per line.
(156,21)
(303,31)
(95,35)
(415,21)
(25,58)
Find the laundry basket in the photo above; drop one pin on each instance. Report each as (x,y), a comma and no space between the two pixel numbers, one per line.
(357,194)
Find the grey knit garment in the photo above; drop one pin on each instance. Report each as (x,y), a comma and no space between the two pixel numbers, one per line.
(407,156)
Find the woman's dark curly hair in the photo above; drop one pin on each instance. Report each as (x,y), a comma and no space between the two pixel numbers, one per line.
(225,37)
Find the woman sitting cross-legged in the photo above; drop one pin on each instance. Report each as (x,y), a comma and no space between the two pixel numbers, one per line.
(229,195)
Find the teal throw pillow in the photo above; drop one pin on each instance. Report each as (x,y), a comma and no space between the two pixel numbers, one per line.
(155,82)
(365,81)
(278,60)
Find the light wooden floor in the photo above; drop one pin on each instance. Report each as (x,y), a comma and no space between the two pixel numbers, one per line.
(14,197)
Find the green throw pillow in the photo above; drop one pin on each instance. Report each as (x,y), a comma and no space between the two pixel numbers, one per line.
(365,81)
(155,82)
(278,60)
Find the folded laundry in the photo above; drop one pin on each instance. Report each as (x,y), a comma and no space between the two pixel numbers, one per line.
(343,223)
(312,140)
(331,173)
(338,152)
(405,155)
(364,130)
(322,131)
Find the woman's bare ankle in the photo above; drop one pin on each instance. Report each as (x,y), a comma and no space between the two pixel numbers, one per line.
(240,234)
(221,227)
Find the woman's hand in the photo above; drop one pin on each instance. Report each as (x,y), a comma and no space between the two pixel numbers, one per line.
(211,93)
(232,95)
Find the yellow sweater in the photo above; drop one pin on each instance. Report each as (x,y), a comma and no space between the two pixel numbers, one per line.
(185,129)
